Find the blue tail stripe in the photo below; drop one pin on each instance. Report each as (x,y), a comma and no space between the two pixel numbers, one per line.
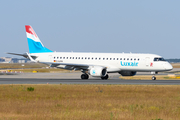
(36,47)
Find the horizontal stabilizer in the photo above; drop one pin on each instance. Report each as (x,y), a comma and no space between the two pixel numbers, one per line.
(26,55)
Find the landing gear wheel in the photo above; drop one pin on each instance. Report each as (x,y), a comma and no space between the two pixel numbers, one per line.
(153,78)
(105,77)
(84,76)
(87,76)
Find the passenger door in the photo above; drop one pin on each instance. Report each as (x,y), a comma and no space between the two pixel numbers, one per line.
(50,58)
(147,61)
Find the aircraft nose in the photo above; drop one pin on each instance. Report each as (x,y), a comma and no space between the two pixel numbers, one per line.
(168,66)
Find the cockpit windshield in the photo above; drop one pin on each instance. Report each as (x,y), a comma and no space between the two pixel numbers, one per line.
(159,59)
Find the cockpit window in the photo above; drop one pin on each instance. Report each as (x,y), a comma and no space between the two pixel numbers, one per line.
(159,59)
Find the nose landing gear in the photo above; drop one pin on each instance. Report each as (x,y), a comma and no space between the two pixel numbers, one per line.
(154,73)
(153,78)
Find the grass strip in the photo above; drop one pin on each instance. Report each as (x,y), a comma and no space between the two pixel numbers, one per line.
(102,102)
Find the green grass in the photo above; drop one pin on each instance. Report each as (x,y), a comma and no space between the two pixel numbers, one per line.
(90,102)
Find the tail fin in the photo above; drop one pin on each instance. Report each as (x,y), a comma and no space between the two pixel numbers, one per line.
(34,43)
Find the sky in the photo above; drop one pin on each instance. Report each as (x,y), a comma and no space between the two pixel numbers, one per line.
(112,26)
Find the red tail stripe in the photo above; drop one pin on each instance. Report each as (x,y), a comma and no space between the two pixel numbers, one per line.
(30,30)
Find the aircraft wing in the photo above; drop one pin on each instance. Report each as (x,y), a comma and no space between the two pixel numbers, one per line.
(70,65)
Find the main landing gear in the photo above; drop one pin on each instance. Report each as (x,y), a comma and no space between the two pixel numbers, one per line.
(105,77)
(84,76)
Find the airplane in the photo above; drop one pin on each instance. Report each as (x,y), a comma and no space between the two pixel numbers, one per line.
(94,64)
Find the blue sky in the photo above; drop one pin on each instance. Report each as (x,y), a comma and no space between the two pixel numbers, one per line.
(135,26)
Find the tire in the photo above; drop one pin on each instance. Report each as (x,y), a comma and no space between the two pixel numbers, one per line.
(153,78)
(105,77)
(84,76)
(87,76)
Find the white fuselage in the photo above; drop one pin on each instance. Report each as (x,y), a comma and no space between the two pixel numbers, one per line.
(94,64)
(114,62)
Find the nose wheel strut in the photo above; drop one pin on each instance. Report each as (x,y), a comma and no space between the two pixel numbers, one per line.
(154,73)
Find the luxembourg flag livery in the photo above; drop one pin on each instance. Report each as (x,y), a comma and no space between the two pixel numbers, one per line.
(34,43)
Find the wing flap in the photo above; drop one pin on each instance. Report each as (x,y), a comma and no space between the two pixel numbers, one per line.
(69,64)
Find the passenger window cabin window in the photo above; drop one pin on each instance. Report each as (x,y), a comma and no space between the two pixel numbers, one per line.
(67,57)
(92,58)
(79,57)
(103,58)
(54,57)
(82,57)
(124,58)
(60,57)
(138,59)
(96,58)
(113,58)
(106,58)
(85,58)
(99,58)
(63,57)
(76,57)
(127,58)
(117,58)
(110,58)
(120,58)
(89,58)
(135,59)
(57,57)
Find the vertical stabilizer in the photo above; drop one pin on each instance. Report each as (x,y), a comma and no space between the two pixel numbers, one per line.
(34,43)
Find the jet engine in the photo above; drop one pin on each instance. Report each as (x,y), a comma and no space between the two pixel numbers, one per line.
(127,73)
(98,71)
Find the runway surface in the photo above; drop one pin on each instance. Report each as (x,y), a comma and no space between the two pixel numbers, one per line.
(89,81)
(73,78)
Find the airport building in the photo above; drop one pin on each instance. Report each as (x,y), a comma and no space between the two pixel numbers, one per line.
(13,60)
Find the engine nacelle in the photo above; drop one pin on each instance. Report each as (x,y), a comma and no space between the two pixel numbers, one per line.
(98,71)
(127,73)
